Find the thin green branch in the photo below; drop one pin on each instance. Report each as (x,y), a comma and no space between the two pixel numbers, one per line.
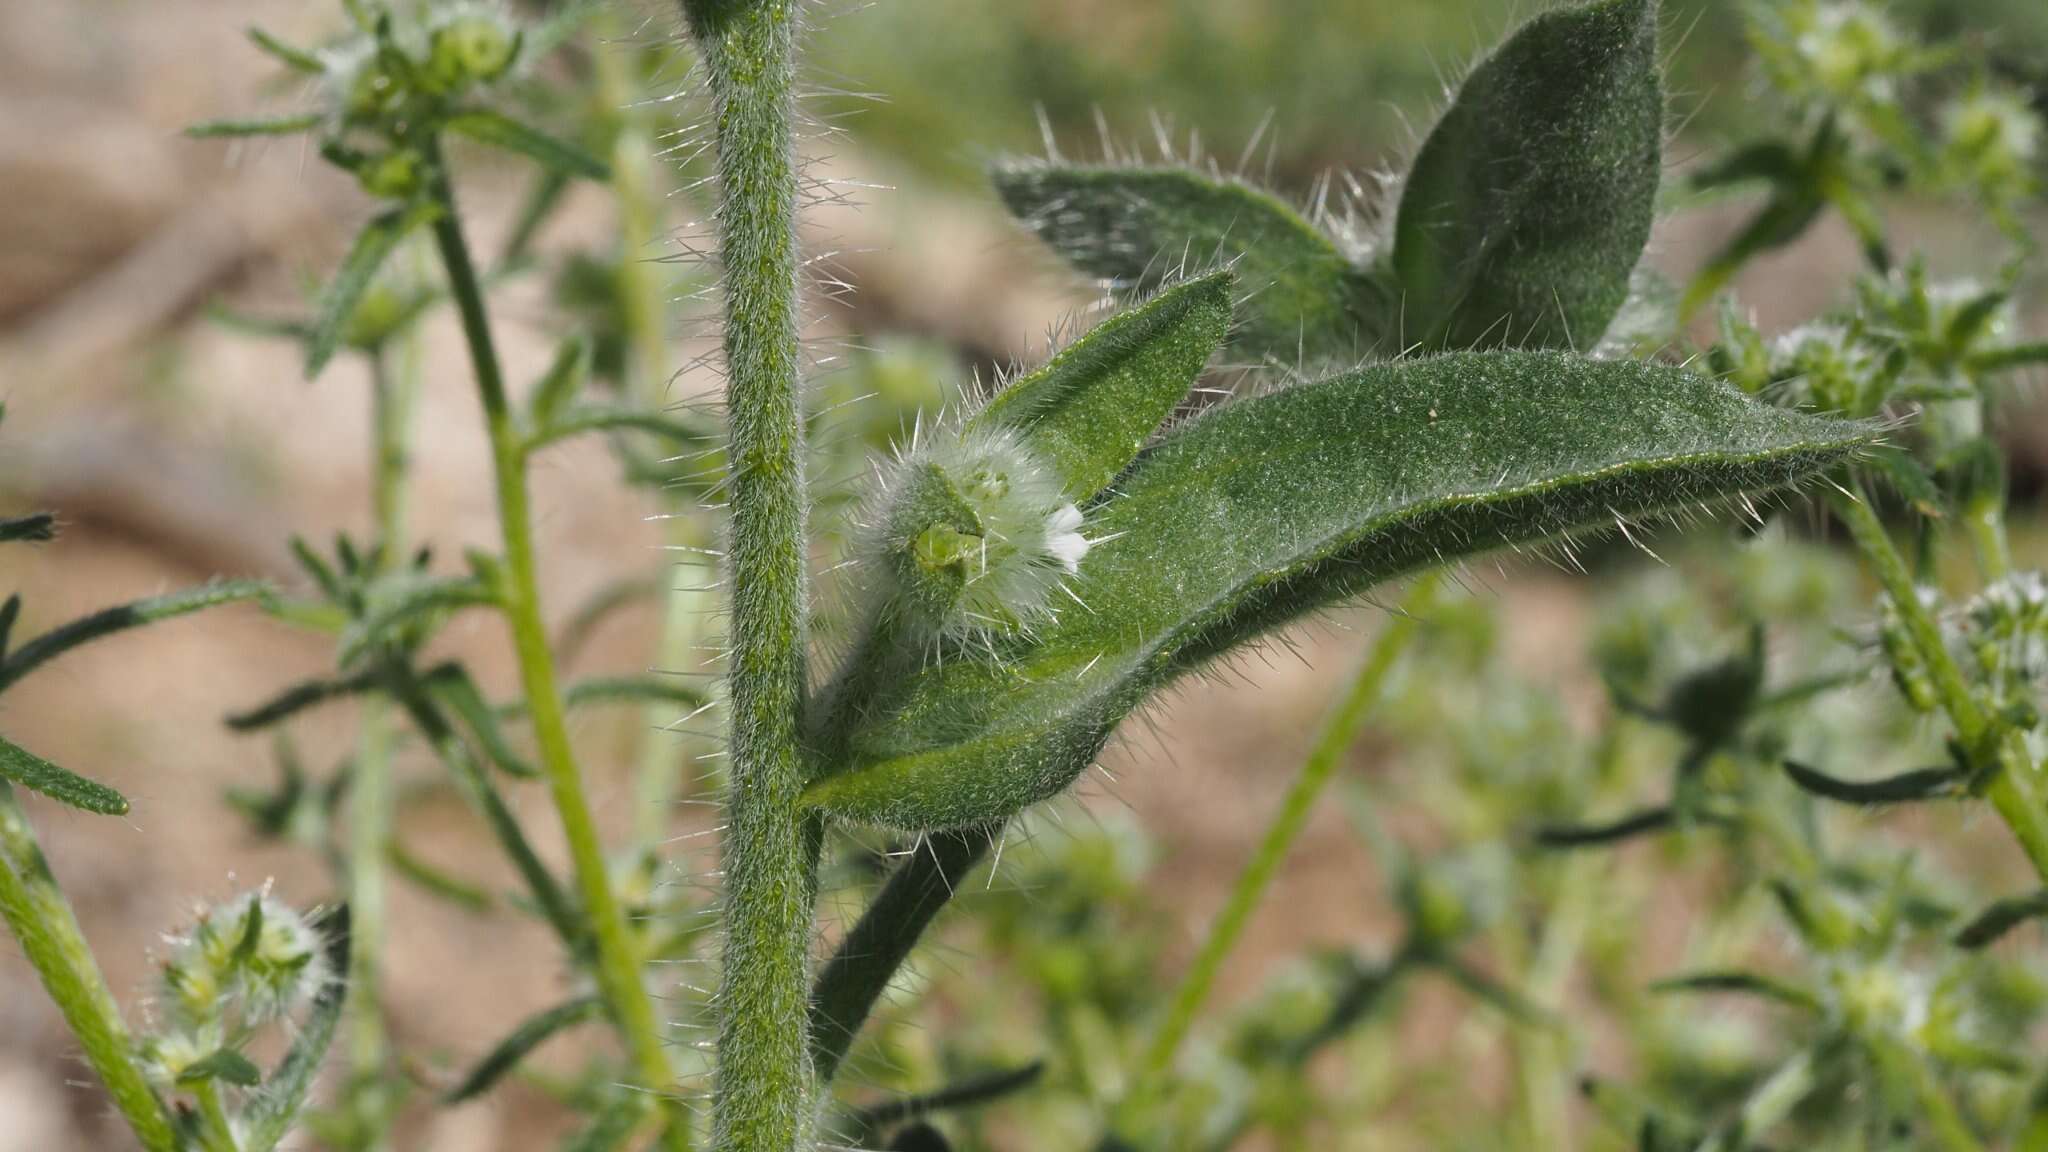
(2013,785)
(1338,733)
(617,960)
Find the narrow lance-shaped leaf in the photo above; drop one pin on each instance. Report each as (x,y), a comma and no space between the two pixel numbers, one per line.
(1270,507)
(531,1033)
(373,245)
(2002,917)
(1919,784)
(1141,227)
(36,774)
(121,617)
(1531,200)
(501,131)
(1092,407)
(38,527)
(274,126)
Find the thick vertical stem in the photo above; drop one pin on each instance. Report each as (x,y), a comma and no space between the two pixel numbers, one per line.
(617,955)
(1337,734)
(42,922)
(764,1072)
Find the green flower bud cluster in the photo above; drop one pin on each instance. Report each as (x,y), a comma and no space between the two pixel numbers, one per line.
(383,85)
(245,963)
(2007,632)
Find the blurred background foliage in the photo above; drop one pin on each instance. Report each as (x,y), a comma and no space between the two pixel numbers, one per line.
(1421,915)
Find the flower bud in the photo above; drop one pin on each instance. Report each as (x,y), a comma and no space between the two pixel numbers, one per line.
(973,535)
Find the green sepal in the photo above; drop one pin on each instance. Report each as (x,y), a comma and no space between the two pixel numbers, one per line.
(1271,507)
(225,1065)
(1530,202)
(1090,409)
(1141,228)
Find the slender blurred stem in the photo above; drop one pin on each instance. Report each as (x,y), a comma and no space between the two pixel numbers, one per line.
(1767,1106)
(2014,788)
(617,956)
(370,805)
(1337,735)
(42,922)
(220,1131)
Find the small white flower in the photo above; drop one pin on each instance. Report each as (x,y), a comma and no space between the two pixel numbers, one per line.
(1064,540)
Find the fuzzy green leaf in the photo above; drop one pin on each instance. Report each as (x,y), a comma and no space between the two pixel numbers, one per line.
(271,1113)
(1531,200)
(122,617)
(1091,408)
(373,245)
(1139,228)
(1904,788)
(552,153)
(296,59)
(1273,506)
(36,774)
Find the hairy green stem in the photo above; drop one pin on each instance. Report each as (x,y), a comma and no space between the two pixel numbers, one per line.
(42,921)
(1338,732)
(617,958)
(761,1101)
(2014,788)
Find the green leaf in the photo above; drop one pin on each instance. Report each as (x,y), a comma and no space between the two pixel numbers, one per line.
(373,245)
(2000,918)
(296,59)
(298,698)
(1090,409)
(1745,983)
(563,380)
(407,601)
(531,1033)
(868,958)
(1531,200)
(501,131)
(1270,507)
(36,774)
(1920,784)
(107,621)
(453,689)
(36,526)
(271,1113)
(274,126)
(1141,228)
(225,1065)
(971,1092)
